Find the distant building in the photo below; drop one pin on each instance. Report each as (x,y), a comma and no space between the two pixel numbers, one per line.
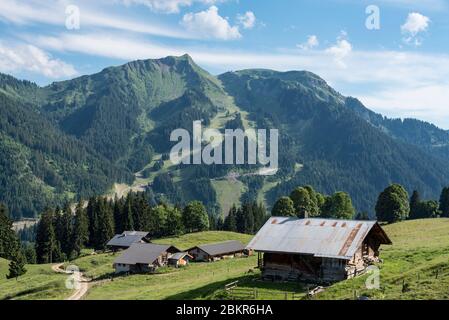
(126,239)
(317,249)
(179,259)
(217,251)
(144,257)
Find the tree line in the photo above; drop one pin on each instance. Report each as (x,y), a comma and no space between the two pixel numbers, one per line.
(62,234)
(10,248)
(306,202)
(394,205)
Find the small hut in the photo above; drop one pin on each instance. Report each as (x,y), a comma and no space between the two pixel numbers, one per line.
(217,251)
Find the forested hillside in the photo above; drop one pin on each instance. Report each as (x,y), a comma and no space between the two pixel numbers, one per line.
(76,138)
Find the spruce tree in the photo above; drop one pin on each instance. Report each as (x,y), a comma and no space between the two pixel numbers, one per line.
(127,216)
(415,201)
(118,215)
(80,235)
(105,230)
(17,265)
(230,222)
(444,202)
(46,244)
(8,238)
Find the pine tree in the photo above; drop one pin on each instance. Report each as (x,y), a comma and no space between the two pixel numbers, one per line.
(105,230)
(415,201)
(8,239)
(17,265)
(248,219)
(127,216)
(230,222)
(46,244)
(67,230)
(444,202)
(92,216)
(118,215)
(80,235)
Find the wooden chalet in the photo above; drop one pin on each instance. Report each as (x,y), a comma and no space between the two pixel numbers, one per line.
(180,259)
(126,239)
(144,258)
(321,250)
(217,251)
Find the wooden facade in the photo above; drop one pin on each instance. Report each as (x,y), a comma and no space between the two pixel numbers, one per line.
(358,249)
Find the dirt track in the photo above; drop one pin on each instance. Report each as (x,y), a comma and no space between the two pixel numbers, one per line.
(84,282)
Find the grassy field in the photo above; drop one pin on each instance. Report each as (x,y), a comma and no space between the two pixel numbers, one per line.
(228,193)
(40,282)
(416,266)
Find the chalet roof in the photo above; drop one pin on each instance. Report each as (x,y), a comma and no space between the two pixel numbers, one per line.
(215,249)
(143,253)
(318,237)
(179,255)
(127,238)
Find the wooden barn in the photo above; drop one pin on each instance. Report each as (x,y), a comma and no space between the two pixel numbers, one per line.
(217,251)
(144,258)
(320,250)
(179,259)
(126,239)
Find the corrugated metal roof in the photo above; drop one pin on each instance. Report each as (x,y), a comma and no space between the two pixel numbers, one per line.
(143,234)
(179,255)
(222,247)
(142,253)
(319,237)
(126,239)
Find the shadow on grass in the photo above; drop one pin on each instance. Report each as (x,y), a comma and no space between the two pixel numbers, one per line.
(247,281)
(205,291)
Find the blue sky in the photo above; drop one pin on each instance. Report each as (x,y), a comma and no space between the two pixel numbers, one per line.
(400,69)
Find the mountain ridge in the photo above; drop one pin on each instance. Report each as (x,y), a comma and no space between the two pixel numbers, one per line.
(126,113)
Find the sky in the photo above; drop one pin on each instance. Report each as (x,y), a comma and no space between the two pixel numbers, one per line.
(391,54)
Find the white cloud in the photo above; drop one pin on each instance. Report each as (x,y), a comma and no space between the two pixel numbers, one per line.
(341,49)
(247,20)
(29,58)
(312,42)
(209,24)
(53,13)
(165,6)
(414,25)
(396,83)
(168,6)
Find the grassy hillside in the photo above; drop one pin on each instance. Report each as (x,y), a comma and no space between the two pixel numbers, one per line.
(416,266)
(40,282)
(420,250)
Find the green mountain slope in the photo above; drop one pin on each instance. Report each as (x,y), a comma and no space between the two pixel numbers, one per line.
(41,166)
(339,149)
(118,123)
